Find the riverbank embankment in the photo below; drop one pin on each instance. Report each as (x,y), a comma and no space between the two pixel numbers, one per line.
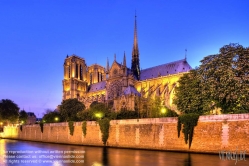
(214,133)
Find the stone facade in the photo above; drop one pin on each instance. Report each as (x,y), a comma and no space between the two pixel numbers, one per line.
(213,134)
(120,86)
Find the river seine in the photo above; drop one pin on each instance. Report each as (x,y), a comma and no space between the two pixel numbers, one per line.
(24,153)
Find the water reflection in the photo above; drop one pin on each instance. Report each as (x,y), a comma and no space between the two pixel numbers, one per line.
(98,156)
(187,161)
(105,156)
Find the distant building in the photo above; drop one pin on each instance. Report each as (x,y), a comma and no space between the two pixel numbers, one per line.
(31,118)
(120,86)
(38,120)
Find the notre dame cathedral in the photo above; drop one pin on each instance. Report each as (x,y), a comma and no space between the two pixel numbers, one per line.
(119,86)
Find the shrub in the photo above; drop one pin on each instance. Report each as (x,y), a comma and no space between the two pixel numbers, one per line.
(104,125)
(84,128)
(189,121)
(41,126)
(71,127)
(126,114)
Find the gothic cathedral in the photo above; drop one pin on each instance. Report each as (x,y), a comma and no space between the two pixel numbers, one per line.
(119,86)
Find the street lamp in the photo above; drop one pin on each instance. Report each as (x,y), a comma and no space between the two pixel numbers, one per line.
(99,115)
(163,110)
(56,119)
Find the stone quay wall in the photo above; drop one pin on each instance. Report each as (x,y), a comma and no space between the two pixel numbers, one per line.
(213,134)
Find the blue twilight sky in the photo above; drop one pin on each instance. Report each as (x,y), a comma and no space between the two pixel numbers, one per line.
(36,36)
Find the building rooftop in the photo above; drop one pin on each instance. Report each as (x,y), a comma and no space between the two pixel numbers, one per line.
(97,86)
(131,90)
(165,69)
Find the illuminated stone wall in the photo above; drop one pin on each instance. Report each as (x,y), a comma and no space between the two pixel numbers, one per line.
(212,134)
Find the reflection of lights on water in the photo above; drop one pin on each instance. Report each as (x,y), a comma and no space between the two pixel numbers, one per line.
(2,151)
(97,164)
(56,163)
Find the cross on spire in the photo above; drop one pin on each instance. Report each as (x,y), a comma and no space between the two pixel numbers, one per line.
(186,54)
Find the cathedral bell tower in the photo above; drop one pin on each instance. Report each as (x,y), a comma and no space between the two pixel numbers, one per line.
(75,77)
(135,65)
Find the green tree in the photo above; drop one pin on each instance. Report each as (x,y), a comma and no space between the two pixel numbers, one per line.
(154,106)
(9,111)
(224,78)
(166,112)
(23,116)
(69,109)
(188,95)
(127,114)
(95,112)
(52,117)
(104,125)
(221,81)
(84,115)
(99,111)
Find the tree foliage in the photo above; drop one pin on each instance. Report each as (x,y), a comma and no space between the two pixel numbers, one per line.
(154,106)
(9,111)
(41,126)
(71,127)
(52,117)
(225,78)
(84,128)
(23,116)
(127,114)
(189,97)
(96,111)
(221,81)
(69,109)
(189,121)
(104,125)
(168,113)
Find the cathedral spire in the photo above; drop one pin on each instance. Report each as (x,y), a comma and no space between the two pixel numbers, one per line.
(124,60)
(135,50)
(135,66)
(107,65)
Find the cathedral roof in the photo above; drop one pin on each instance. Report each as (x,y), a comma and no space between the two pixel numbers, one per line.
(97,86)
(165,69)
(131,90)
